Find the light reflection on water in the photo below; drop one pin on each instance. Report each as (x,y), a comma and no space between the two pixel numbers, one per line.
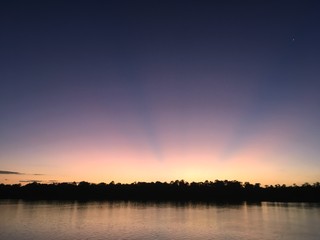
(134,220)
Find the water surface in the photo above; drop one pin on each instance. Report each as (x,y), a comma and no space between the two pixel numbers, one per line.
(23,220)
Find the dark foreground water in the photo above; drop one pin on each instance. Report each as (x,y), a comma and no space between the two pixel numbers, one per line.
(131,220)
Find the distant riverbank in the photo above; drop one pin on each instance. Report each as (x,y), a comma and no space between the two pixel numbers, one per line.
(178,190)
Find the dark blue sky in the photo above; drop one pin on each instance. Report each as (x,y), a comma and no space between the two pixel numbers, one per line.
(223,88)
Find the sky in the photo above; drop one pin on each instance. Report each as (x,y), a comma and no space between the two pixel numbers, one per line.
(126,91)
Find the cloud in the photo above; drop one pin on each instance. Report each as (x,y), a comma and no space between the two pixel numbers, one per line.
(10,172)
(19,173)
(29,181)
(53,181)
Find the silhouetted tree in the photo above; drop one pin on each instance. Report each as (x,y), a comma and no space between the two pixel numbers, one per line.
(178,190)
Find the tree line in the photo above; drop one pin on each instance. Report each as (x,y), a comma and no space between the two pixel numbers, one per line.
(179,190)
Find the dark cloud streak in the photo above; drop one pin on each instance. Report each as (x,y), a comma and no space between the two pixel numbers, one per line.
(10,172)
(19,173)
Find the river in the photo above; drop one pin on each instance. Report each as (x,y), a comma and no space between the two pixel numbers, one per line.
(45,220)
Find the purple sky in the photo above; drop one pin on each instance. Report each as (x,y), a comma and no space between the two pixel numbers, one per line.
(160,90)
